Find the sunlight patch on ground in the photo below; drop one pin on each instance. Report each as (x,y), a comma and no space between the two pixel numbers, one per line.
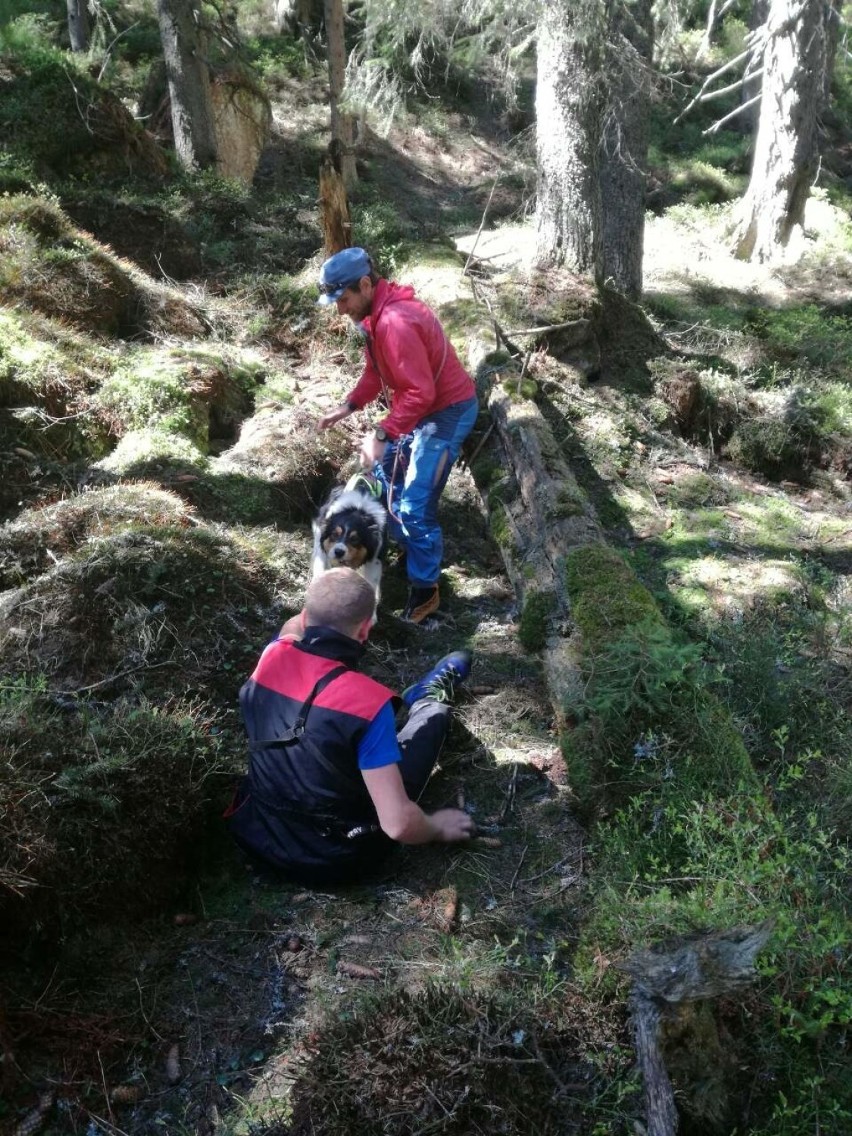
(688,249)
(509,247)
(734,585)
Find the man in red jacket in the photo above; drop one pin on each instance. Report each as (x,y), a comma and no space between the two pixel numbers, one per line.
(431,404)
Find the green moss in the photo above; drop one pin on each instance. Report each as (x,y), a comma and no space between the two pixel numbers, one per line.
(697,489)
(570,502)
(498,520)
(606,598)
(155,453)
(520,389)
(460,318)
(532,631)
(152,393)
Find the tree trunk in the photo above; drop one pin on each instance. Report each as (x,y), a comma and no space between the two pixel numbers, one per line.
(785,157)
(711,965)
(568,110)
(298,17)
(342,125)
(624,146)
(746,121)
(79,25)
(833,21)
(189,83)
(334,205)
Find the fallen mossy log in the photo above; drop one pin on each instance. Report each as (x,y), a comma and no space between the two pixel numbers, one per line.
(537,510)
(657,766)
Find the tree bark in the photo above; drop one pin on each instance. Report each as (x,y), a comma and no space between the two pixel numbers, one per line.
(342,124)
(79,24)
(189,83)
(624,146)
(334,205)
(785,157)
(298,17)
(746,122)
(568,110)
(833,22)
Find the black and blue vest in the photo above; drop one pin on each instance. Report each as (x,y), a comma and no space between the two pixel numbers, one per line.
(303,808)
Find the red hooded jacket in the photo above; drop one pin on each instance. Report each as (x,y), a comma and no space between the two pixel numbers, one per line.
(409,356)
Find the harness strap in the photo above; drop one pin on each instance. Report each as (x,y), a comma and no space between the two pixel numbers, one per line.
(298,728)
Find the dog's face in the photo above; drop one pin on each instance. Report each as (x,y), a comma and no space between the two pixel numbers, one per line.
(350,538)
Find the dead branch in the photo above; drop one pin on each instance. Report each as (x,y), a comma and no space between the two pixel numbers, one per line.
(717,94)
(580,325)
(737,110)
(481,227)
(524,369)
(479,446)
(710,80)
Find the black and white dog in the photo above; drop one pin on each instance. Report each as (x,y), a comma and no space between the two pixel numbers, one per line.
(349,532)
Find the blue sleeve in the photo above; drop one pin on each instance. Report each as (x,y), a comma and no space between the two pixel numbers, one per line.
(379,746)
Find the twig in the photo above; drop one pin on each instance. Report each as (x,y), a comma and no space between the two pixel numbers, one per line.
(546,327)
(145,1016)
(113,1129)
(539,875)
(524,369)
(517,870)
(545,1064)
(480,444)
(481,227)
(510,795)
(737,110)
(116,677)
(106,1090)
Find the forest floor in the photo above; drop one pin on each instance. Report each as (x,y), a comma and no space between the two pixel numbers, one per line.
(255,1007)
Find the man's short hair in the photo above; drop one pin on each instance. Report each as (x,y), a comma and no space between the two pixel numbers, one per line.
(339,598)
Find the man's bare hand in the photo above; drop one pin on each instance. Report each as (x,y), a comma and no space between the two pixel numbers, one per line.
(333,417)
(453,825)
(372,451)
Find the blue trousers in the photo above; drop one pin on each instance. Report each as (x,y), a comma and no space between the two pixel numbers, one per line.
(414,472)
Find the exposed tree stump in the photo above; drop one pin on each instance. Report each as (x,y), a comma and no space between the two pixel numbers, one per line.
(703,966)
(334,204)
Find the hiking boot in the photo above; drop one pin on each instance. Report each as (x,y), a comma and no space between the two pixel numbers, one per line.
(421,603)
(441,681)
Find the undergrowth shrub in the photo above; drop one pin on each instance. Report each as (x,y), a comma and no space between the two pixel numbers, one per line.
(808,334)
(786,443)
(102,807)
(178,607)
(485,1059)
(56,119)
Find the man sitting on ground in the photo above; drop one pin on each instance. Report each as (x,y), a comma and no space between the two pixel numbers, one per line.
(330,785)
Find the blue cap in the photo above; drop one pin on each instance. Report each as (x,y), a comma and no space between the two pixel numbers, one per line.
(339,271)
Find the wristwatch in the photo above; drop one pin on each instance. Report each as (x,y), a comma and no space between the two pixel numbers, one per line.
(381,434)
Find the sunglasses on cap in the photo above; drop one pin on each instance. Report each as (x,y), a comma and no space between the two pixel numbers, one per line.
(341,286)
